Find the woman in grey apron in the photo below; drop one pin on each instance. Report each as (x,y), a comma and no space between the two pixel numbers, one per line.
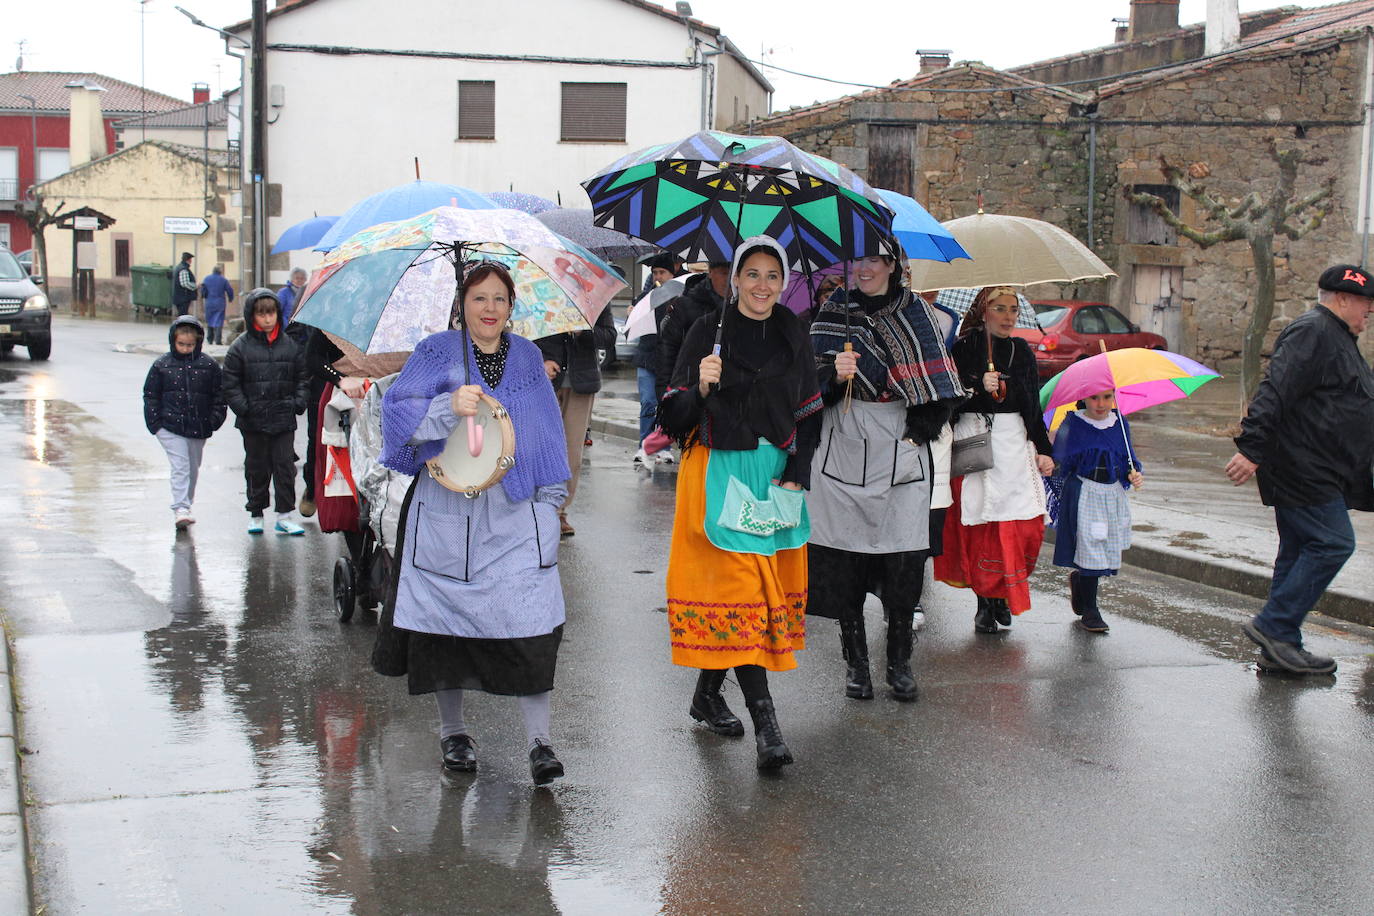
(886,399)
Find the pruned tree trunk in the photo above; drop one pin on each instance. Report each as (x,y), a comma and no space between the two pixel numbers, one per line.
(1261,313)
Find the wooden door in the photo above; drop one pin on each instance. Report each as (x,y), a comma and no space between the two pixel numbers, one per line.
(892,158)
(1157,305)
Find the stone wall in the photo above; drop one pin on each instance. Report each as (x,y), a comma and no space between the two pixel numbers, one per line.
(1271,96)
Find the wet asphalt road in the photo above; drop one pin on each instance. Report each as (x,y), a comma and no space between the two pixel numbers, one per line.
(203,736)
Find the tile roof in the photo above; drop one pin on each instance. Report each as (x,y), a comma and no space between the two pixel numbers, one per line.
(50,90)
(190,116)
(218,158)
(1321,20)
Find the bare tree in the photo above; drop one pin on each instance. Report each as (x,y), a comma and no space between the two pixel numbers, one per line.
(1257,219)
(39,217)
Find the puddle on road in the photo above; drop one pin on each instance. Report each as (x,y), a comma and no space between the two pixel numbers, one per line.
(60,433)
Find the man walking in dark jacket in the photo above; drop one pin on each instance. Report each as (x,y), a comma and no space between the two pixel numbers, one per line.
(703,296)
(184,288)
(1309,436)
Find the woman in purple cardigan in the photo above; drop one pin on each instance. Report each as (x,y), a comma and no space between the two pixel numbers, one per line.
(478,604)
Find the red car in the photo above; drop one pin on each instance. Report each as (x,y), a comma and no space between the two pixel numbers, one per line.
(1073,329)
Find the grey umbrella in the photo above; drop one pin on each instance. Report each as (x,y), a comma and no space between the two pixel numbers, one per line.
(577,226)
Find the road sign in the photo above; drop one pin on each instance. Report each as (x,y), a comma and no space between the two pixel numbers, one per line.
(184,225)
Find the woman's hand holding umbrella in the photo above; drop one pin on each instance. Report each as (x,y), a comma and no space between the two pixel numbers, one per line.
(846,365)
(708,373)
(465,399)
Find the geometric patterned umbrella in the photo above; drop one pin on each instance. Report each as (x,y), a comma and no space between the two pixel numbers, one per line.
(699,197)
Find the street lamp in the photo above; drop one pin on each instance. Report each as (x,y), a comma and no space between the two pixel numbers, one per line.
(256,167)
(33,134)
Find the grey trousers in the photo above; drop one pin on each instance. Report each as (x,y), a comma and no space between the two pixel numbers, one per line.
(184,456)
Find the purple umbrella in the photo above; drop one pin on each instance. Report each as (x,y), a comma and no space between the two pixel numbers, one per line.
(801,295)
(532,204)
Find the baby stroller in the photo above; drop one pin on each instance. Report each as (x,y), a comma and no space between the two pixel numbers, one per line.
(375,495)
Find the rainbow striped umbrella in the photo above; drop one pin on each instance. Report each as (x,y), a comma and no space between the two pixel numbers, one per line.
(1141,378)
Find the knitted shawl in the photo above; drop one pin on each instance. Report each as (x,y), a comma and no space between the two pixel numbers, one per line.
(901,351)
(436,367)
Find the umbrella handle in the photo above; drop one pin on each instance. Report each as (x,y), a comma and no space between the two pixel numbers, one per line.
(848,385)
(475,436)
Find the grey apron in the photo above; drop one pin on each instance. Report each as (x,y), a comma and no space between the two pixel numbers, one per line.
(870,489)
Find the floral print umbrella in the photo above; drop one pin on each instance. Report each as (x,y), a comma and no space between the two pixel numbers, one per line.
(388,287)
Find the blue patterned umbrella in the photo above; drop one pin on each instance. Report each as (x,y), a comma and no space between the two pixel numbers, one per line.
(401,202)
(700,196)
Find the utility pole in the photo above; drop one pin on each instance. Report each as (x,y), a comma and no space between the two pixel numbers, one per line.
(259,159)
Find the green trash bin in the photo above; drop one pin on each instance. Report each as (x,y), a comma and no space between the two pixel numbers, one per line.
(150,289)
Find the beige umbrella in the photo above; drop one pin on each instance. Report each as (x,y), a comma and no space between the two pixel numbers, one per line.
(1009,251)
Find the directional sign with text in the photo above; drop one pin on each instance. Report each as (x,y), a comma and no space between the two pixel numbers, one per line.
(184,225)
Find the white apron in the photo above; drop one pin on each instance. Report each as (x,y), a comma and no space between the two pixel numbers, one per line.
(1010,490)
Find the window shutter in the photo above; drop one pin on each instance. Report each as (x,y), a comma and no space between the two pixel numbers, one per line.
(476,110)
(593,111)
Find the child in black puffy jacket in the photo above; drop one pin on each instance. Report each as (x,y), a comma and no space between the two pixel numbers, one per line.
(183,404)
(265,384)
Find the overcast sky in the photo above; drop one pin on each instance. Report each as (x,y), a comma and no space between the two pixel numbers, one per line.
(875,43)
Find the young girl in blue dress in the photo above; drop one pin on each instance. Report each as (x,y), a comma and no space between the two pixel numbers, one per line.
(1095,466)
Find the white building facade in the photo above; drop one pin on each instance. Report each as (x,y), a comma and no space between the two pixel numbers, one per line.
(525,95)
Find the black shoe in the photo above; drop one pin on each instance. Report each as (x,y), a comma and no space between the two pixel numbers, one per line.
(773,754)
(1289,656)
(1091,620)
(900,641)
(858,683)
(1000,612)
(544,766)
(460,753)
(709,706)
(984,621)
(1073,593)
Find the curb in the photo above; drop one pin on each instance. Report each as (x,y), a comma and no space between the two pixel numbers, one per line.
(15,890)
(1176,563)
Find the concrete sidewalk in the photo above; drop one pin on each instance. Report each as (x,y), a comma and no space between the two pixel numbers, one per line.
(1189,520)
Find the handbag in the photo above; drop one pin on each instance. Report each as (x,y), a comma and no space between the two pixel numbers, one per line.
(971,453)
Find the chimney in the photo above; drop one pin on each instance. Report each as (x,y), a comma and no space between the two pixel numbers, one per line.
(1153,17)
(86,140)
(200,92)
(1223,26)
(1123,30)
(933,60)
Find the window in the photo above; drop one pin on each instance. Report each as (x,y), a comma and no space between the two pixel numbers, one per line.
(593,112)
(1114,321)
(5,240)
(1089,321)
(9,174)
(52,162)
(121,257)
(476,110)
(1146,227)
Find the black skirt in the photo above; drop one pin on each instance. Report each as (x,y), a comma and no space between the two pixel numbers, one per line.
(839,580)
(430,662)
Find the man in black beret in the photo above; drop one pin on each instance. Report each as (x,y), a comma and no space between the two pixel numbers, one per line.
(1309,437)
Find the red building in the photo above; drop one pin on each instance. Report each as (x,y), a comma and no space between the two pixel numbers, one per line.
(35,131)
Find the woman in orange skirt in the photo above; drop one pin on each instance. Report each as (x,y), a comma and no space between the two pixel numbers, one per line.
(994,528)
(745,404)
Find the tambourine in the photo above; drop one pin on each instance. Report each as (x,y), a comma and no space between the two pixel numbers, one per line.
(479,451)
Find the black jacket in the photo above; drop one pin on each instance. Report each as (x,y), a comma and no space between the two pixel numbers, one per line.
(1310,426)
(576,354)
(678,316)
(184,394)
(1013,357)
(265,381)
(180,294)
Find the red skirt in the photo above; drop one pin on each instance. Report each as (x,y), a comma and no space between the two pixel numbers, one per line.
(995,559)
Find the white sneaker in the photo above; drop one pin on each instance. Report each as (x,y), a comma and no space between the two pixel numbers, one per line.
(286,524)
(665,457)
(641,458)
(918,620)
(184,519)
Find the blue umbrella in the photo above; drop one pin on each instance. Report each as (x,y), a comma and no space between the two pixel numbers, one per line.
(532,204)
(920,233)
(401,202)
(304,234)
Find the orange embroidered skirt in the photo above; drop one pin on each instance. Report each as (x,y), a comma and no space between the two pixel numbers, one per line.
(726,608)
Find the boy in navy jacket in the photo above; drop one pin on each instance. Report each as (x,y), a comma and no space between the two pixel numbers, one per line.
(183,404)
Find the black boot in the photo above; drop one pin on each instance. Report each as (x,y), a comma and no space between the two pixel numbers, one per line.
(773,754)
(900,640)
(1000,612)
(1075,601)
(983,621)
(709,706)
(858,685)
